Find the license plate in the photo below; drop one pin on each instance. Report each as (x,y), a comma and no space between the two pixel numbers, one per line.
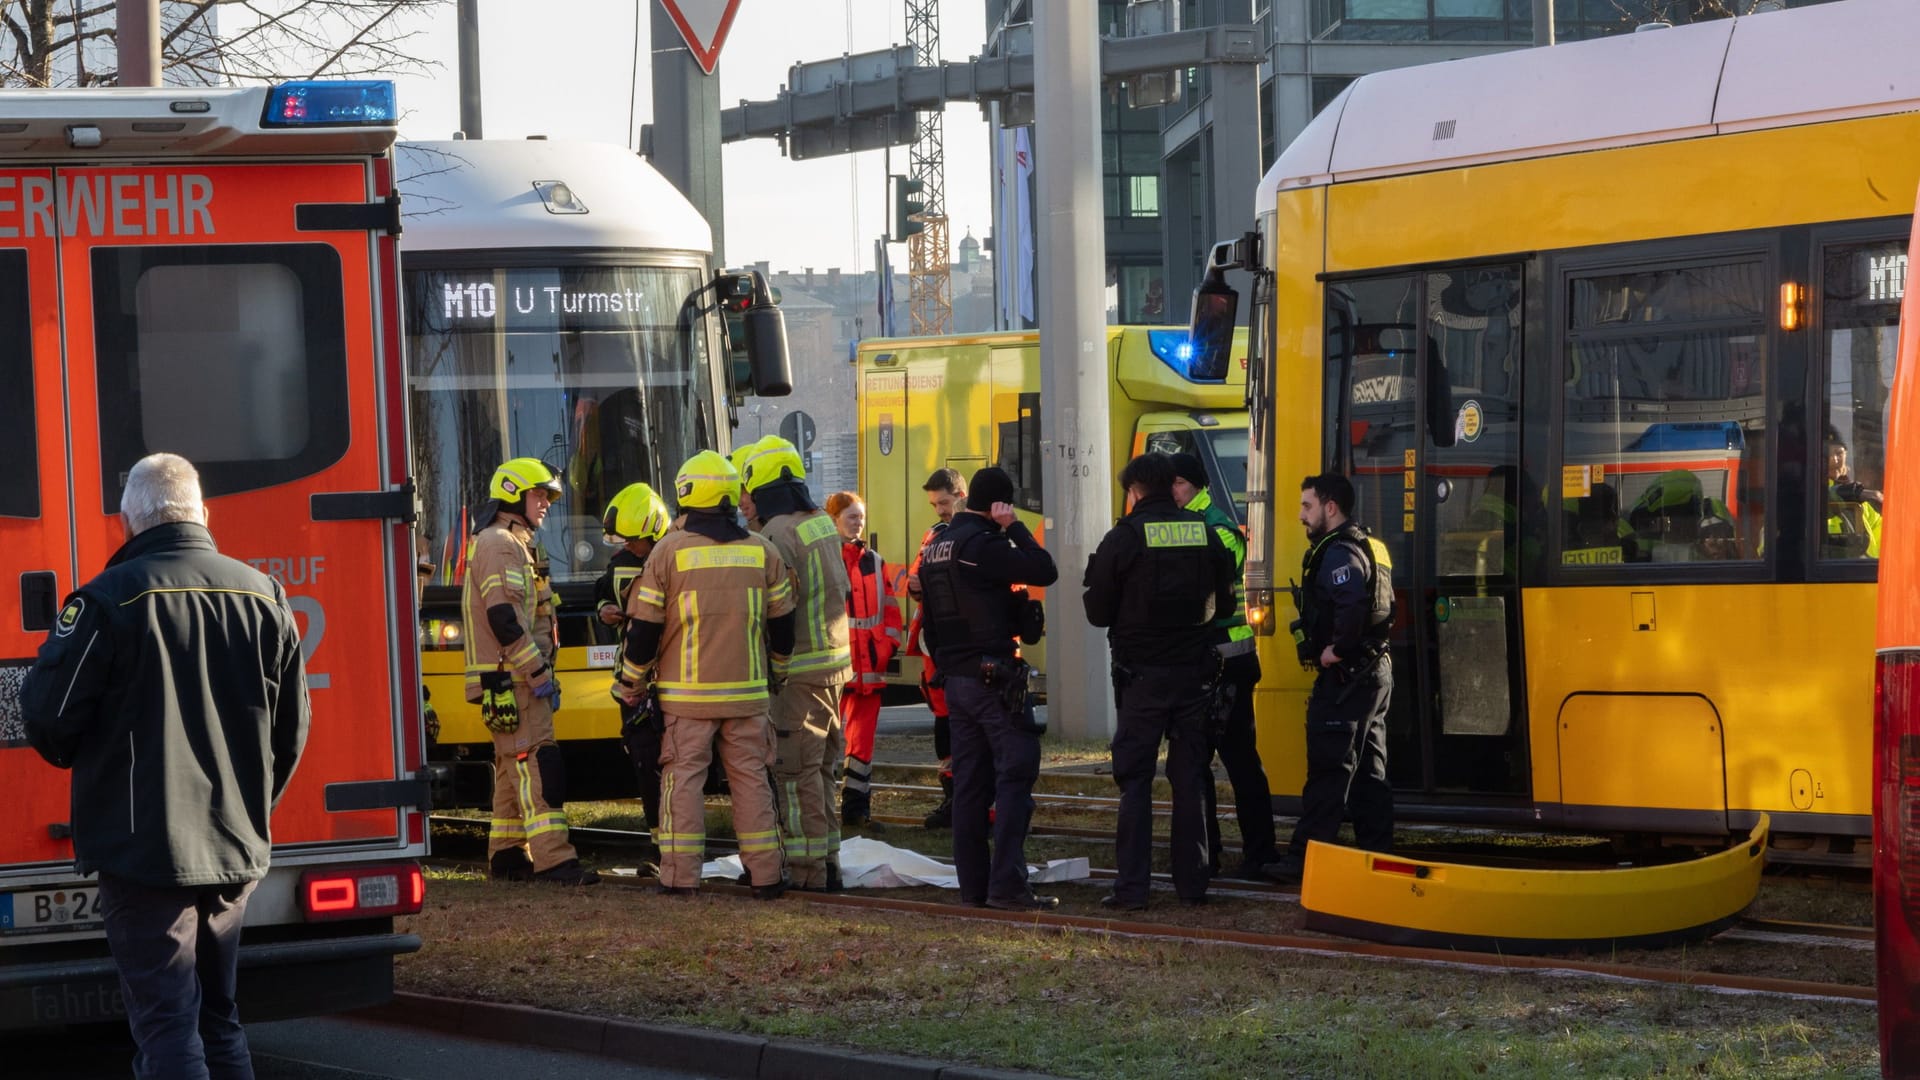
(46,911)
(603,656)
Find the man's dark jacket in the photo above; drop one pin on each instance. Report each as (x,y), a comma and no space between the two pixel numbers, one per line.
(172,685)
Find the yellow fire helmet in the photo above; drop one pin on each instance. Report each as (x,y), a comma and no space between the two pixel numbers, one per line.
(707,481)
(744,451)
(512,479)
(769,461)
(637,513)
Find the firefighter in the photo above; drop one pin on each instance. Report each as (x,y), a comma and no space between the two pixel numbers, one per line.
(1346,613)
(1233,700)
(709,621)
(873,621)
(972,619)
(1156,582)
(808,738)
(946,492)
(636,519)
(507,603)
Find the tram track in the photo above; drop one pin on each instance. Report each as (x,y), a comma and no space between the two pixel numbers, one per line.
(1058,924)
(1746,928)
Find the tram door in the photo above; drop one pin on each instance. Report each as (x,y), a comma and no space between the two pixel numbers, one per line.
(1423,413)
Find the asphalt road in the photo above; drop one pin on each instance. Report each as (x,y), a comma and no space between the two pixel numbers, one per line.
(327,1048)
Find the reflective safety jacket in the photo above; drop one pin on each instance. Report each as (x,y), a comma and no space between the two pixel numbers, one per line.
(873,618)
(712,599)
(507,603)
(1232,635)
(809,543)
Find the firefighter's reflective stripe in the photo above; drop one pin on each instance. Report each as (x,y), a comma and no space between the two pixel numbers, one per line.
(690,641)
(872,622)
(651,596)
(536,823)
(826,660)
(1239,646)
(667,837)
(712,693)
(758,840)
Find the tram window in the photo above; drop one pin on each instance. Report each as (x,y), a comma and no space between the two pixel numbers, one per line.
(1862,286)
(19,447)
(1373,397)
(601,372)
(1665,416)
(1491,521)
(231,356)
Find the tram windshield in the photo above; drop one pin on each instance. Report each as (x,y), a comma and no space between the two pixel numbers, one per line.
(603,373)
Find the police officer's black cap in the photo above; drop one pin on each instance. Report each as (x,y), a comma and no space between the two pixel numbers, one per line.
(1188,467)
(988,486)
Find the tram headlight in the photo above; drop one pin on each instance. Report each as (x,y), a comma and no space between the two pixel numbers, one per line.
(1260,610)
(442,634)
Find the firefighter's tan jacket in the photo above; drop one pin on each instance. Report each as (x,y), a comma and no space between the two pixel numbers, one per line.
(502,568)
(810,544)
(714,600)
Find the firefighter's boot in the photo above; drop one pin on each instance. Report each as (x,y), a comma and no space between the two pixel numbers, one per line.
(942,816)
(567,873)
(511,864)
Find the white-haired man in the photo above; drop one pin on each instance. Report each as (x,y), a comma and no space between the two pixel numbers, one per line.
(172,686)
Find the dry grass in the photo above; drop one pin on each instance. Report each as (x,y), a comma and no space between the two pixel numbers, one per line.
(1088,1006)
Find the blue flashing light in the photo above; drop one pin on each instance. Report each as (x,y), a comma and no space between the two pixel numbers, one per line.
(1175,349)
(1712,435)
(331,103)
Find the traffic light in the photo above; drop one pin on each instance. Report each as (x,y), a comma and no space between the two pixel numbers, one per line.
(905,207)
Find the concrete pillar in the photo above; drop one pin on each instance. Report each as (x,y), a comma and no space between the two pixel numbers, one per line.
(1073,354)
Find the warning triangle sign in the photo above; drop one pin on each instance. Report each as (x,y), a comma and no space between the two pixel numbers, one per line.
(704,25)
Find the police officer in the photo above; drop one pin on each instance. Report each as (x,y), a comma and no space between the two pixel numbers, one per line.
(808,738)
(1346,611)
(972,616)
(1233,698)
(508,606)
(710,617)
(1156,582)
(636,519)
(946,493)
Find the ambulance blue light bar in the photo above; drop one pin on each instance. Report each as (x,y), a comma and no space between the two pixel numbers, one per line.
(331,103)
(1175,349)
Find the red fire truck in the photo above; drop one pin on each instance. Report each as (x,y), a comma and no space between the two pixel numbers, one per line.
(213,272)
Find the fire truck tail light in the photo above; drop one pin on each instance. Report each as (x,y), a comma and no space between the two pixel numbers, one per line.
(331,103)
(362,892)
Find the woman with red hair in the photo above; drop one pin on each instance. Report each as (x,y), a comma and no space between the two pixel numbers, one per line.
(875,632)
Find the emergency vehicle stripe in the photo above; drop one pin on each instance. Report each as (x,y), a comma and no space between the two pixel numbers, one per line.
(689,636)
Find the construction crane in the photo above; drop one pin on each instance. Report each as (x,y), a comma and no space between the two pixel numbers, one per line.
(929,274)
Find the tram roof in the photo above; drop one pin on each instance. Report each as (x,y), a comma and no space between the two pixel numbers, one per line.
(477,195)
(1800,66)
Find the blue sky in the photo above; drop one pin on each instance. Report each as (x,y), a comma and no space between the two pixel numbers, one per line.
(562,68)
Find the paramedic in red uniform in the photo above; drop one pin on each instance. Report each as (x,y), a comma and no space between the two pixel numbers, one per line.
(873,619)
(172,685)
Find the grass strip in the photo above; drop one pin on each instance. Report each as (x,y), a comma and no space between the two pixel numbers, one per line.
(1011,997)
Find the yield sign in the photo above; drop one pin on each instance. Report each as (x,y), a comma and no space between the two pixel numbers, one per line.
(704,24)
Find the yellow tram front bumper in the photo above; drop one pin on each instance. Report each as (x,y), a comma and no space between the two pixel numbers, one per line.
(1410,901)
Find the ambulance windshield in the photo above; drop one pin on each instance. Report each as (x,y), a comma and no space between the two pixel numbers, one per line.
(601,372)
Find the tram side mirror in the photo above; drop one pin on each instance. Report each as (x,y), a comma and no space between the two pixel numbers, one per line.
(757,358)
(1439,398)
(1216,310)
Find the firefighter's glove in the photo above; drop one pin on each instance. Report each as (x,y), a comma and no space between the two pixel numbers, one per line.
(497,708)
(549,692)
(777,664)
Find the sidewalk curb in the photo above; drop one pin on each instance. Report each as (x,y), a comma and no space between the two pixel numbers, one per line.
(669,1046)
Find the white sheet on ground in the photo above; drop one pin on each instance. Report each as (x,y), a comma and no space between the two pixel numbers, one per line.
(870,864)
